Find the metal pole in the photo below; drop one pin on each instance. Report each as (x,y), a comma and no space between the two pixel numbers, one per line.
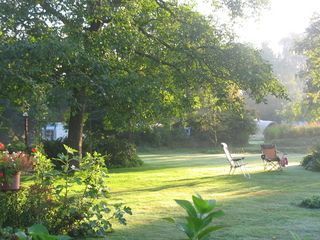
(26,129)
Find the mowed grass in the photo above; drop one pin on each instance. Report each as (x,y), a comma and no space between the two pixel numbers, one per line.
(263,207)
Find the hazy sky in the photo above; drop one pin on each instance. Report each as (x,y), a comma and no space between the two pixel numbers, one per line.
(283,18)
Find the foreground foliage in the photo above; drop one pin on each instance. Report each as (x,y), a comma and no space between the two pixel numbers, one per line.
(71,201)
(35,232)
(200,214)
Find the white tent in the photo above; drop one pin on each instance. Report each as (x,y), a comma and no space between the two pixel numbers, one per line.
(261,127)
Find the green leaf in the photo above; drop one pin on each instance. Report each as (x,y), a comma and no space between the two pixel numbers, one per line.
(127,210)
(21,235)
(203,206)
(37,228)
(195,223)
(212,215)
(42,236)
(69,149)
(188,207)
(184,228)
(206,232)
(63,237)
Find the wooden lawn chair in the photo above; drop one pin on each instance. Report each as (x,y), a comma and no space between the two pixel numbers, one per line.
(235,162)
(270,157)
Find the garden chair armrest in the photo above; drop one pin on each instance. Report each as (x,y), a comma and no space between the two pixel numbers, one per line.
(237,159)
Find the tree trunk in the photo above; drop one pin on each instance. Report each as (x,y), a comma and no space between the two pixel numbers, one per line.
(76,121)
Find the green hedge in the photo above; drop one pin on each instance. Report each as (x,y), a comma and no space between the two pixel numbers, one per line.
(288,131)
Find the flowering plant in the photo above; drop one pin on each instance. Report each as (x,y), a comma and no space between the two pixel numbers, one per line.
(11,163)
(2,147)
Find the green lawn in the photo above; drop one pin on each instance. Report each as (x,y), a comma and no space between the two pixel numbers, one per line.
(264,207)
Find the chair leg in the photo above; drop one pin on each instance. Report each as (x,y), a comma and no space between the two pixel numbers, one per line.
(244,171)
(271,165)
(230,170)
(265,165)
(279,167)
(234,170)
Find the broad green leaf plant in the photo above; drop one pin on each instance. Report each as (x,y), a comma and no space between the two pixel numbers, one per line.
(69,201)
(200,214)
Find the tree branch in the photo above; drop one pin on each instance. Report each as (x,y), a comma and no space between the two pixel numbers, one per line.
(157,60)
(164,6)
(144,32)
(48,8)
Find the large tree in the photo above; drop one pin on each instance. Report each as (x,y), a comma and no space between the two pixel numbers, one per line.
(138,61)
(310,47)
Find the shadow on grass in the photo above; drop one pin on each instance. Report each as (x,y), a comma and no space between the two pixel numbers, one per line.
(157,162)
(263,207)
(186,183)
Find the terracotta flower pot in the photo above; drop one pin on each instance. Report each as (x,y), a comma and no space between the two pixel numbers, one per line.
(11,183)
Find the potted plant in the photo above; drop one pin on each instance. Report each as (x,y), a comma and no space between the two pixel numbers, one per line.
(11,165)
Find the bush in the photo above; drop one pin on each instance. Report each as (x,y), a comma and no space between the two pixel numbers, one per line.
(235,128)
(120,153)
(16,146)
(312,161)
(162,136)
(71,201)
(206,129)
(287,131)
(35,232)
(52,148)
(312,202)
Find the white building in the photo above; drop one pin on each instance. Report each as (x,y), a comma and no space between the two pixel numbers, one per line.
(54,131)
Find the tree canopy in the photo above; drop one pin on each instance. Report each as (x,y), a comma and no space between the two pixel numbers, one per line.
(138,61)
(309,46)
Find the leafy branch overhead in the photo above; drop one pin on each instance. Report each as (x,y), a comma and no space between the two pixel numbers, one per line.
(140,62)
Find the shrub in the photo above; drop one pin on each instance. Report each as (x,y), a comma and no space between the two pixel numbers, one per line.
(312,202)
(120,153)
(52,148)
(162,136)
(288,131)
(70,201)
(16,146)
(35,232)
(235,128)
(206,129)
(312,161)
